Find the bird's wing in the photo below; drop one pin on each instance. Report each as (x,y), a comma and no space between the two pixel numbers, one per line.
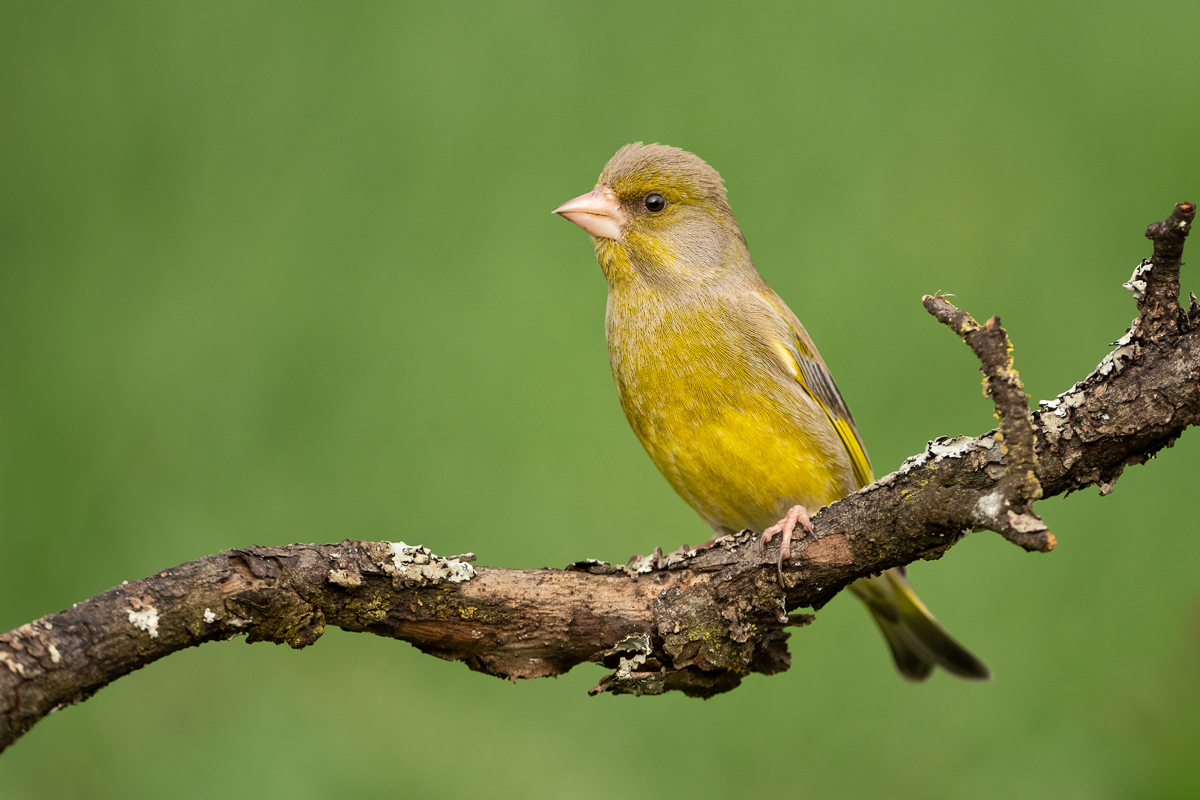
(809,370)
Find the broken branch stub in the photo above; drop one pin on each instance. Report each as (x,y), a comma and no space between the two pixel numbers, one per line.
(1156,280)
(1009,511)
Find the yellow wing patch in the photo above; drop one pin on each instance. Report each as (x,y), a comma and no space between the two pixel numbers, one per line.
(858,456)
(816,381)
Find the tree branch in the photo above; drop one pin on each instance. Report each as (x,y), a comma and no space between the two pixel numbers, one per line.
(1008,511)
(697,622)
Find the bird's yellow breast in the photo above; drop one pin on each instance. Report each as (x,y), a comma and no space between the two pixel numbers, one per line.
(720,417)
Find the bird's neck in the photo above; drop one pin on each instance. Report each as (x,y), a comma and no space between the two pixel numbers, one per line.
(669,267)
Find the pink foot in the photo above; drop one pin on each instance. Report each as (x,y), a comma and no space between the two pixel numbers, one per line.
(797,516)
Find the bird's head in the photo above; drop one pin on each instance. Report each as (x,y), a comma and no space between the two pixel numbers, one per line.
(660,212)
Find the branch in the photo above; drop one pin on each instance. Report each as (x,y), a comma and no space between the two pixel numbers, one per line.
(698,621)
(1009,510)
(1155,281)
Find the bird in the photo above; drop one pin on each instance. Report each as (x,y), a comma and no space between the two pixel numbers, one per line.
(721,383)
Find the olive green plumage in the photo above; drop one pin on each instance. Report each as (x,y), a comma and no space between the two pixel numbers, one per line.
(720,381)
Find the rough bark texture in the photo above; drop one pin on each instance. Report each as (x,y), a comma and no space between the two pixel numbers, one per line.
(697,622)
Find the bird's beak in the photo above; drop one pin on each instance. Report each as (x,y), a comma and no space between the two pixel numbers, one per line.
(597,212)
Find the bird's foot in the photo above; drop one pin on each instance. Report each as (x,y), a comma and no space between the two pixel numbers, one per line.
(797,516)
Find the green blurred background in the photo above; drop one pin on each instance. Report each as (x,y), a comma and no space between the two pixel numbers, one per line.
(278,272)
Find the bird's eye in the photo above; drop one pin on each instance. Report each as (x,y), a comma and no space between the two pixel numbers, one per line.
(655,202)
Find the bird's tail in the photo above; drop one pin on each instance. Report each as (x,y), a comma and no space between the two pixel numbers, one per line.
(918,643)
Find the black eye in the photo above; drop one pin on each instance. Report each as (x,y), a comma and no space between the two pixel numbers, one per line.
(655,202)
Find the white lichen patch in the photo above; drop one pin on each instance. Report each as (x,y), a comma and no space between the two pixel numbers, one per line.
(209,616)
(457,571)
(637,645)
(1055,425)
(1025,523)
(678,559)
(939,450)
(1054,414)
(55,656)
(942,448)
(629,665)
(1137,281)
(416,563)
(987,509)
(145,620)
(642,565)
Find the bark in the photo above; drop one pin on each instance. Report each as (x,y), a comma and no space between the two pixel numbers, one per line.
(694,621)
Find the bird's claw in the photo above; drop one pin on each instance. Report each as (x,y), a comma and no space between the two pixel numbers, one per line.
(797,516)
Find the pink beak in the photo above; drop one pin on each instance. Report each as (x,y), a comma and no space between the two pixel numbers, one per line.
(597,212)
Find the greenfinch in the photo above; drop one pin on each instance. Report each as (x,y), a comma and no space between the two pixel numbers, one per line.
(721,383)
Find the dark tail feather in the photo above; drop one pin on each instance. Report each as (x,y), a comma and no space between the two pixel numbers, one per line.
(917,641)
